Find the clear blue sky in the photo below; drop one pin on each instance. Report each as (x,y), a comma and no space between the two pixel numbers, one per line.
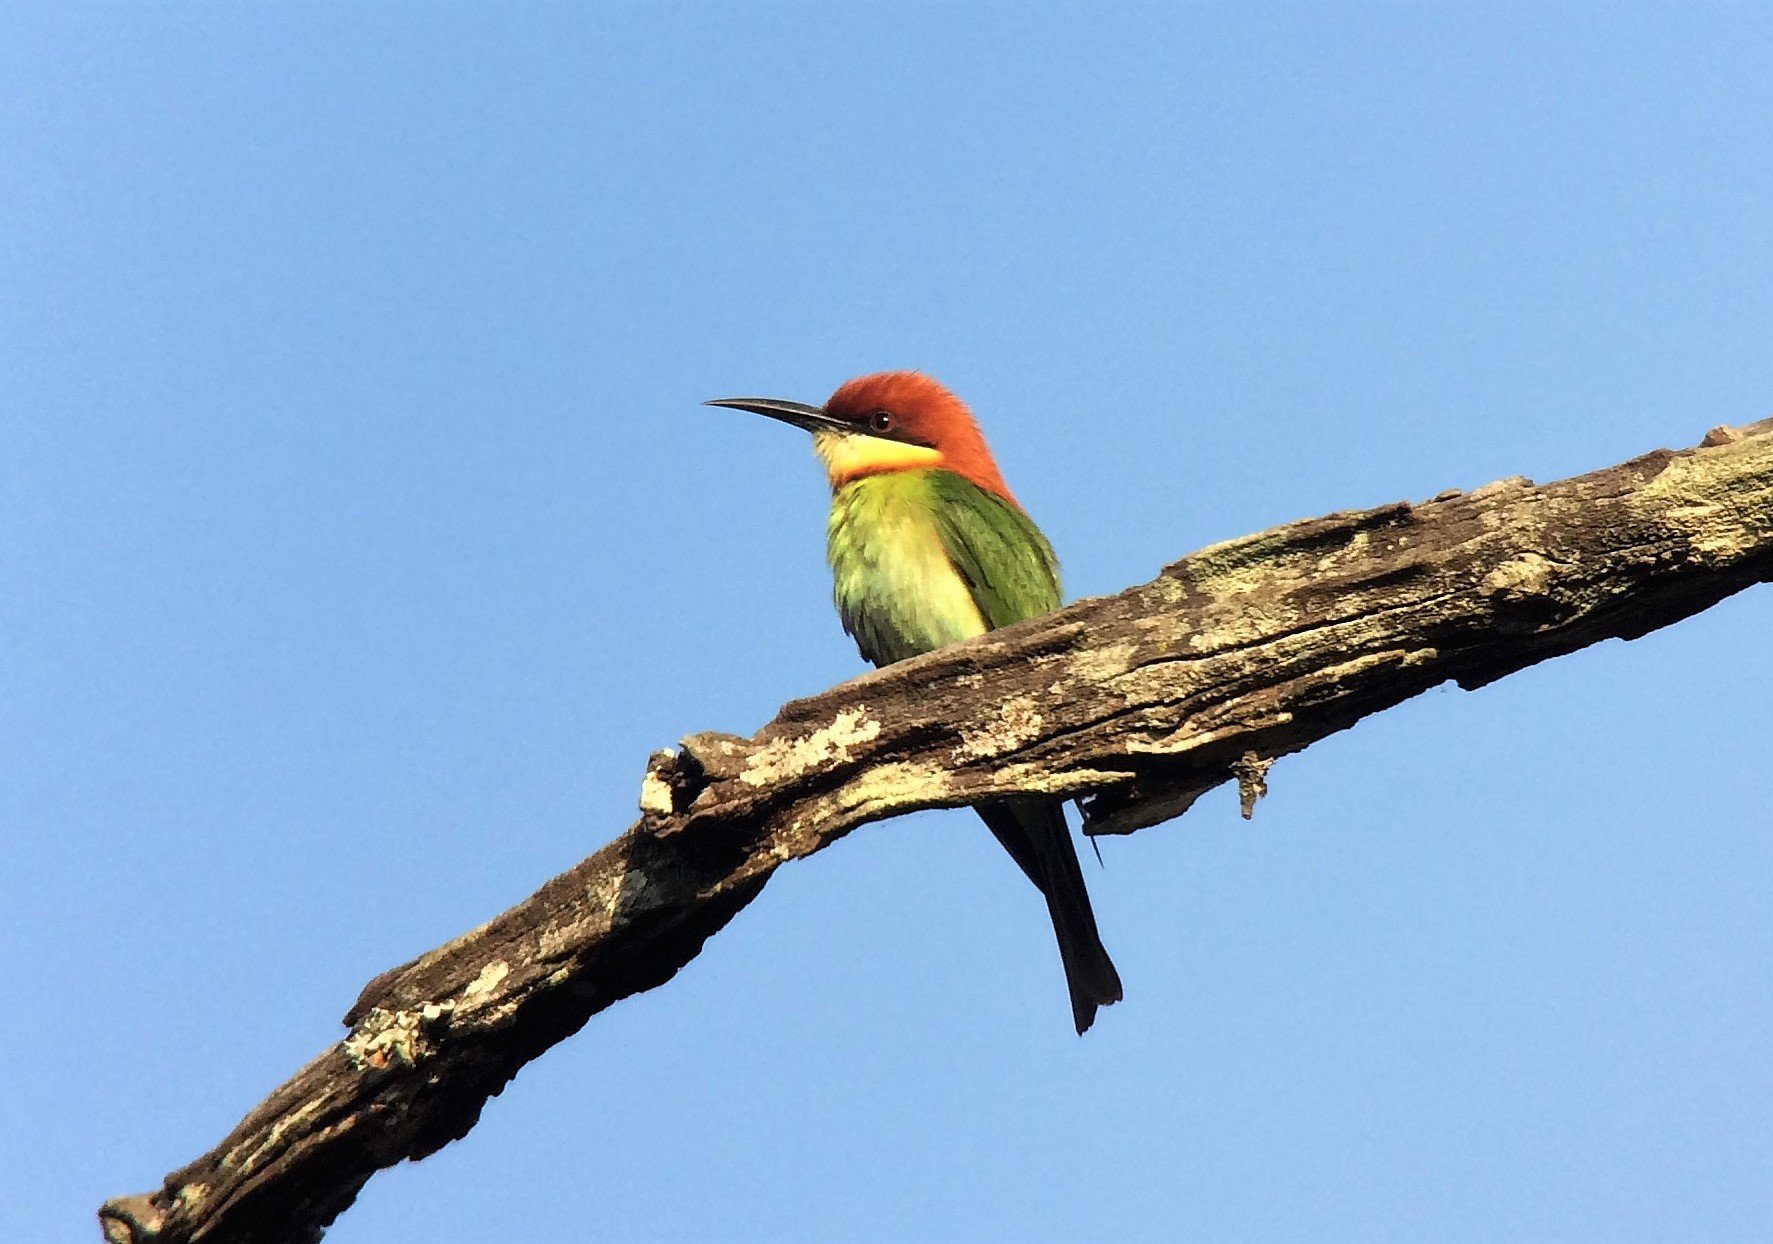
(361,533)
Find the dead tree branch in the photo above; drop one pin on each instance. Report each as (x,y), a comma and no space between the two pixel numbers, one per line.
(1136,704)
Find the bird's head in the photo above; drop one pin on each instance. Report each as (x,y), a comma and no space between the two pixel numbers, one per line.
(888,421)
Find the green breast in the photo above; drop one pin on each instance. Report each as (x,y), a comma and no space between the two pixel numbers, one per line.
(922,559)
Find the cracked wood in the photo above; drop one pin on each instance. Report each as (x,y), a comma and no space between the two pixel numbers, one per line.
(1135,704)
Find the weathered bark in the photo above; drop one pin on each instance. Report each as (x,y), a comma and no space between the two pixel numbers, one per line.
(1135,704)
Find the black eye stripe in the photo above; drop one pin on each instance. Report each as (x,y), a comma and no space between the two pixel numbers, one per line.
(884,424)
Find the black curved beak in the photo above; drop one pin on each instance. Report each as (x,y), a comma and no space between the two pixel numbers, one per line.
(812,418)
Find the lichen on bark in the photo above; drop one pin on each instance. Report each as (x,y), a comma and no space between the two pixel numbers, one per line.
(1136,704)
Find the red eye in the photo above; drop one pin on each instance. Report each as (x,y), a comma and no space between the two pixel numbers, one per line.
(880,421)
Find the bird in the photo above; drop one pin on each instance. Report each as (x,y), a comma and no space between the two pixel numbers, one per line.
(928,547)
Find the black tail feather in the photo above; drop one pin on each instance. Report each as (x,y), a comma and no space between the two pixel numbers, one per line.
(1033,831)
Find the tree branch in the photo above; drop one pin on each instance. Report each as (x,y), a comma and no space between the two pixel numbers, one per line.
(1135,704)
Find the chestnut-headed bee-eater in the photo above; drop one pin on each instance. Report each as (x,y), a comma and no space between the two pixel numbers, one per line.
(928,547)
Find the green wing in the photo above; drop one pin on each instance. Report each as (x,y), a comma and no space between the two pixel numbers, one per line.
(1005,561)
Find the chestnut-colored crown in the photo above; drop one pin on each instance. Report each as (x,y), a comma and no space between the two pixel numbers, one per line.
(922,412)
